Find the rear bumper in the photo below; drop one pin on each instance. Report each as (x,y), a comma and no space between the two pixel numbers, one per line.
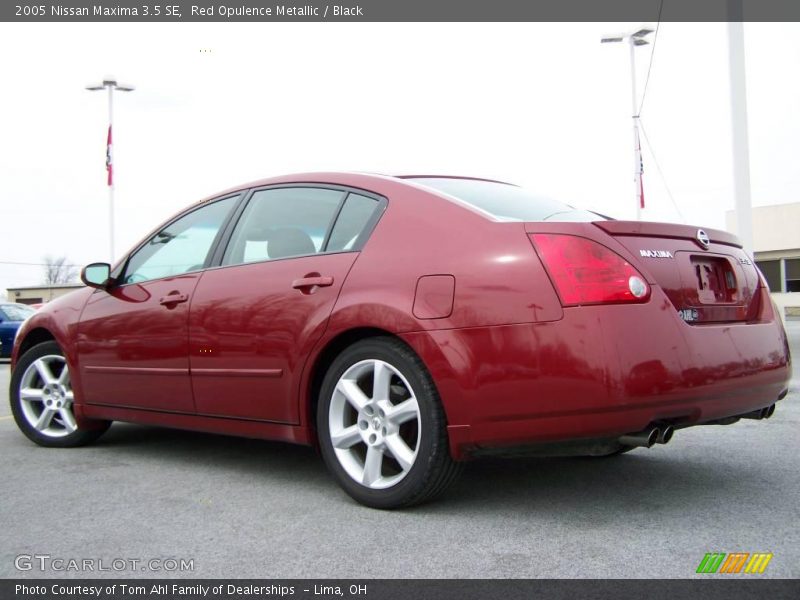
(601,371)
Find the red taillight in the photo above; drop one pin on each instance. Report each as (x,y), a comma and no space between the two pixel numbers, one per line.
(585,272)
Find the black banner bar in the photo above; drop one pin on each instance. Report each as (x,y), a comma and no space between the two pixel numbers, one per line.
(200,11)
(711,588)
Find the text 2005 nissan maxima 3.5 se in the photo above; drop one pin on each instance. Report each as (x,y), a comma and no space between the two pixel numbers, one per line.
(404,324)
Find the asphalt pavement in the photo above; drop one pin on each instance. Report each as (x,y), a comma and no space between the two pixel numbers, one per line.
(232,507)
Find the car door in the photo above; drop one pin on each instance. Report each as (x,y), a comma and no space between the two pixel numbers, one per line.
(133,341)
(254,320)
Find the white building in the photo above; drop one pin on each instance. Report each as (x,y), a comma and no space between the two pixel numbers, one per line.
(776,245)
(39,294)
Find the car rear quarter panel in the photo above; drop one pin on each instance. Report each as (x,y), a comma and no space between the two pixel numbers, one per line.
(498,277)
(498,280)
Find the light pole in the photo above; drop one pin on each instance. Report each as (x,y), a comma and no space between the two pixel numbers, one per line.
(740,140)
(110,84)
(634,39)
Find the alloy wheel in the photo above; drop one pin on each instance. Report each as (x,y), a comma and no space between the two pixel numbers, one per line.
(375,424)
(46,397)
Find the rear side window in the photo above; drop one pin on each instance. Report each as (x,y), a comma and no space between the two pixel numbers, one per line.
(505,202)
(283,222)
(351,224)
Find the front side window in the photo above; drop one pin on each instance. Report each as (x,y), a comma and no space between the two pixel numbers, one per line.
(182,246)
(282,223)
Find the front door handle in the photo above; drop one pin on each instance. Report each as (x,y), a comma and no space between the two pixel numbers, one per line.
(310,282)
(173,298)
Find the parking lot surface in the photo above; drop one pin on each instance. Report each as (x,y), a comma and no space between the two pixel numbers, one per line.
(248,508)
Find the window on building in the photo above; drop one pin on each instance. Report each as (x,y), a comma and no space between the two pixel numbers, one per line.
(772,273)
(792,275)
(29,300)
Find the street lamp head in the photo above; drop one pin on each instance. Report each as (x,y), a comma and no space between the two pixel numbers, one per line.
(636,37)
(110,82)
(644,31)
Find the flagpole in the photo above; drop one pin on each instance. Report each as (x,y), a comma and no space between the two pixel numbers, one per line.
(111,85)
(634,38)
(637,146)
(111,173)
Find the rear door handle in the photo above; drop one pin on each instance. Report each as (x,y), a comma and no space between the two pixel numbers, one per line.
(307,284)
(173,298)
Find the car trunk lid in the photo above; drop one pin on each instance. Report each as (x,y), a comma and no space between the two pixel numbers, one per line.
(705,273)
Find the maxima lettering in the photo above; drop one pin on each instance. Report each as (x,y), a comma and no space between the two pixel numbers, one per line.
(656,253)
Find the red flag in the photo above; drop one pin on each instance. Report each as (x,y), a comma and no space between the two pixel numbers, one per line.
(109,162)
(641,191)
(641,169)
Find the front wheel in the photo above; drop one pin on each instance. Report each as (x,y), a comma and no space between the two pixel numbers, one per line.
(42,399)
(381,426)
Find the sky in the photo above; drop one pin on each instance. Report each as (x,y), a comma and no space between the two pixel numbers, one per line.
(543,105)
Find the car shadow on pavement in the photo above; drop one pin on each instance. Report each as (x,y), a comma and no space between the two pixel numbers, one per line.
(227,455)
(633,483)
(641,480)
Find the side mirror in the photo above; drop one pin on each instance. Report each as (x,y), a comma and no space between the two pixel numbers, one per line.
(96,275)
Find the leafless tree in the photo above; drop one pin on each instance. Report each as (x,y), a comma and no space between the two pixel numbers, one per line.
(58,270)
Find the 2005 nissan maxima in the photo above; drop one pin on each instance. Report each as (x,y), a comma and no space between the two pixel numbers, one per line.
(403,325)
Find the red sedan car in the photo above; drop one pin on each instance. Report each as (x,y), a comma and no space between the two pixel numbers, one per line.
(404,324)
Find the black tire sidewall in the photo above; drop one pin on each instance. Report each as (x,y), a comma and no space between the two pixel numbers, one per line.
(430,447)
(78,437)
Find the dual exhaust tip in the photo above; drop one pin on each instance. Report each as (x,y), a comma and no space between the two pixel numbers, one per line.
(655,434)
(662,434)
(762,413)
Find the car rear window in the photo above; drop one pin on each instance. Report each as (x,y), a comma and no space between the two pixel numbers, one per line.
(506,202)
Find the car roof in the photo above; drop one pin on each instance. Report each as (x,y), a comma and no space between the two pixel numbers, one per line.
(452,177)
(347,178)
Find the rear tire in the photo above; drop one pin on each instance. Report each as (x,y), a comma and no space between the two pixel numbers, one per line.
(42,399)
(381,426)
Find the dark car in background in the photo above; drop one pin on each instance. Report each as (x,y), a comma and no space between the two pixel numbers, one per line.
(11,317)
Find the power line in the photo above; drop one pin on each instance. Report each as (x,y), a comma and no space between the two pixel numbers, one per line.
(652,53)
(660,172)
(30,264)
